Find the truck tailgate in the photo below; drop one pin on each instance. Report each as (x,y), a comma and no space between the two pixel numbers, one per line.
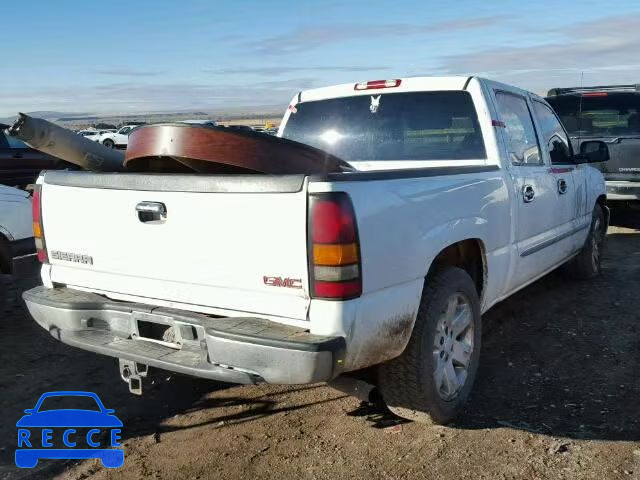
(235,243)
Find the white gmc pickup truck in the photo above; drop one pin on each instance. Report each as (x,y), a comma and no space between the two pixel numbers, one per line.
(464,191)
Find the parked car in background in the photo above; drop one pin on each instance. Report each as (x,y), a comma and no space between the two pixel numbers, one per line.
(88,132)
(21,164)
(384,266)
(266,130)
(93,134)
(611,114)
(118,139)
(240,127)
(205,123)
(17,246)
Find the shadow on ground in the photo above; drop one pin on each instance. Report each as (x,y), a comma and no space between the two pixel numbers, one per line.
(625,217)
(562,357)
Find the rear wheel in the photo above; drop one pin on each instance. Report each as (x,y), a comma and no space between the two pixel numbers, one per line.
(433,377)
(108,143)
(587,264)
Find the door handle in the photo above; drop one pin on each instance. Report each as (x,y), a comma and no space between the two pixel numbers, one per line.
(151,212)
(528,193)
(18,155)
(562,186)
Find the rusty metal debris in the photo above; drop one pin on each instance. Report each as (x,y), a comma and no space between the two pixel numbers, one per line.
(66,145)
(206,149)
(179,148)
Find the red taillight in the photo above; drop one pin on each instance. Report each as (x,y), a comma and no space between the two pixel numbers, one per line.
(595,94)
(332,222)
(38,231)
(376,84)
(334,251)
(338,290)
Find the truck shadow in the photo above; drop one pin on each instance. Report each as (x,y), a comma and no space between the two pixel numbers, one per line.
(562,357)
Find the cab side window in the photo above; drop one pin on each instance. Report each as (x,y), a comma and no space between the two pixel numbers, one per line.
(553,134)
(522,140)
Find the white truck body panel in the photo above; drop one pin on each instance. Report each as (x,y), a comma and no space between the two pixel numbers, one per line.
(205,254)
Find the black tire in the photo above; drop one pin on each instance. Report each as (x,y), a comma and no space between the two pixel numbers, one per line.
(108,143)
(588,263)
(407,383)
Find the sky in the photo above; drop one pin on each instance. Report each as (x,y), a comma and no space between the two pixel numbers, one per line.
(118,56)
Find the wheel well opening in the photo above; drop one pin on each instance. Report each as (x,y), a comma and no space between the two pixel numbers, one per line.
(467,255)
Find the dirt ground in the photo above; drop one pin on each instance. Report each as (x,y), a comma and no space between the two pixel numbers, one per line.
(558,397)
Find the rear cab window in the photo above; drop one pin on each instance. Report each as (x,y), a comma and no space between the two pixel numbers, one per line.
(428,126)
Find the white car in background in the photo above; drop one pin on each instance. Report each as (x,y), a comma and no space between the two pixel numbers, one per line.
(93,134)
(88,132)
(118,139)
(17,246)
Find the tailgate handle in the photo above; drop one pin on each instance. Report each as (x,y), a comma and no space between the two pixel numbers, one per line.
(149,212)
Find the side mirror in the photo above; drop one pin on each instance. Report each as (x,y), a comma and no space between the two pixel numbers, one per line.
(29,411)
(592,151)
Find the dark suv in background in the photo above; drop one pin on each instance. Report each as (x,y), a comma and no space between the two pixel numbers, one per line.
(21,164)
(611,114)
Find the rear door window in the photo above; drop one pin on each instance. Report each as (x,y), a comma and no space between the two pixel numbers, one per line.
(521,134)
(394,126)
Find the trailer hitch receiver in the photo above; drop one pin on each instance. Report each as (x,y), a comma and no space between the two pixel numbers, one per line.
(133,373)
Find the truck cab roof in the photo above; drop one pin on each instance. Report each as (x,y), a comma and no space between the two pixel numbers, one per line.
(395,85)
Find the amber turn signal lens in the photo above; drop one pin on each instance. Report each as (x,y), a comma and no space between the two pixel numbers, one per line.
(331,254)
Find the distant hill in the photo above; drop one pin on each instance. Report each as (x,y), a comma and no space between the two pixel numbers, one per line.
(46,114)
(75,120)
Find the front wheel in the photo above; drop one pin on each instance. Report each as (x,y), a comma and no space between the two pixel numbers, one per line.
(108,143)
(433,377)
(588,263)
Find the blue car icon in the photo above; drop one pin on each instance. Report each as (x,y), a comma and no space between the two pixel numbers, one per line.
(97,418)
